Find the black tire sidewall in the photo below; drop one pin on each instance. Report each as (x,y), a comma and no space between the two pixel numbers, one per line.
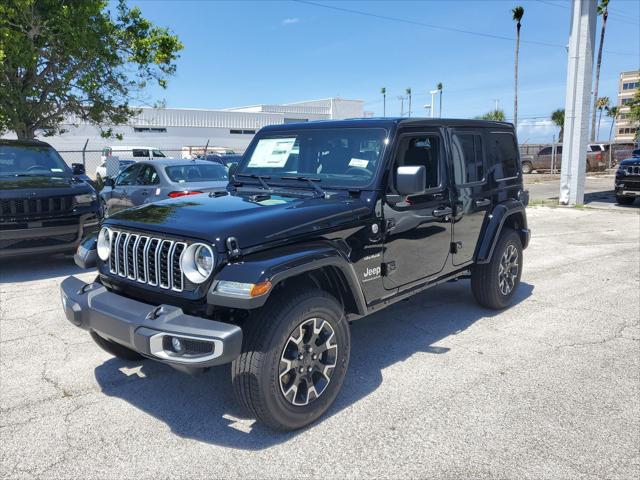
(284,413)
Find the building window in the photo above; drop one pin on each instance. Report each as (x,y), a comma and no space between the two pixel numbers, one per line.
(624,101)
(630,86)
(149,130)
(626,131)
(242,132)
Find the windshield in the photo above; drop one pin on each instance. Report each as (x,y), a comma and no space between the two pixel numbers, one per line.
(346,157)
(31,160)
(197,173)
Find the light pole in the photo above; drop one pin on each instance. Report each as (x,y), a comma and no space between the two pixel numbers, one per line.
(383,91)
(428,107)
(408,92)
(401,98)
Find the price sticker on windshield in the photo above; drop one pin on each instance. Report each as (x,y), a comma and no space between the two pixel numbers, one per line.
(271,152)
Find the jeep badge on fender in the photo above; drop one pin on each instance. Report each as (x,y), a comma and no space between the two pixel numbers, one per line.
(322,224)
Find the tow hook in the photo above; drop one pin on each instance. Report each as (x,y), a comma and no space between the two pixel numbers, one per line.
(156,312)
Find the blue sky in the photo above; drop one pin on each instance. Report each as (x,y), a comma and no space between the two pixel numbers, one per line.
(247,52)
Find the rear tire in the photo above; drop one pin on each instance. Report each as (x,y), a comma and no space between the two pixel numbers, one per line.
(116,349)
(625,200)
(493,284)
(294,359)
(527,168)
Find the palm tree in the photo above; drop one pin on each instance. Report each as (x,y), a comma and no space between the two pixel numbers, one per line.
(496,115)
(408,92)
(439,88)
(601,104)
(557,117)
(613,113)
(602,10)
(517,13)
(383,91)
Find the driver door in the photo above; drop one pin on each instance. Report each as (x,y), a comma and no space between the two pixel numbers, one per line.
(417,227)
(118,197)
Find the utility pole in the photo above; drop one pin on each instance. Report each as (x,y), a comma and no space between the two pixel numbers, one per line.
(577,100)
(383,91)
(408,92)
(433,100)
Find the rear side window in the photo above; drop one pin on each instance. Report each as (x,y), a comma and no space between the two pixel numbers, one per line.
(197,173)
(467,156)
(545,151)
(505,154)
(139,152)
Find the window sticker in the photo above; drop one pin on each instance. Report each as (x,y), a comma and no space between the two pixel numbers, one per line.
(359,162)
(272,152)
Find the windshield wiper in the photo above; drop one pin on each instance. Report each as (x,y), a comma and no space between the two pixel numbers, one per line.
(310,180)
(260,178)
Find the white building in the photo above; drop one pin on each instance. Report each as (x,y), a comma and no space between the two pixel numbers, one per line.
(174,128)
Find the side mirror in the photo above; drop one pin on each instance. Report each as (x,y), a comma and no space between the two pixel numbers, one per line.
(77,169)
(411,180)
(233,168)
(108,182)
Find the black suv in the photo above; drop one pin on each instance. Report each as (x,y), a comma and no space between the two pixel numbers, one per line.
(45,207)
(323,223)
(627,183)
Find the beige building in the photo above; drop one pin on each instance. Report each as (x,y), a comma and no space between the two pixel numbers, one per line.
(627,87)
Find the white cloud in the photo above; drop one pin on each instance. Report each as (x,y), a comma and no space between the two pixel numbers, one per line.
(537,131)
(289,21)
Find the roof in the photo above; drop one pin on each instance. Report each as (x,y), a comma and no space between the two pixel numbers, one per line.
(388,122)
(176,161)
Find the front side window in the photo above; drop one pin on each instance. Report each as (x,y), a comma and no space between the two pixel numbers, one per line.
(31,160)
(147,176)
(421,151)
(128,176)
(197,173)
(505,154)
(338,157)
(467,157)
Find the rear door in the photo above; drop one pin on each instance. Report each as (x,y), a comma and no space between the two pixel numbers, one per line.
(471,199)
(144,186)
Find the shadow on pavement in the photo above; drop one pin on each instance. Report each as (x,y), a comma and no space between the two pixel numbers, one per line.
(37,267)
(204,408)
(605,196)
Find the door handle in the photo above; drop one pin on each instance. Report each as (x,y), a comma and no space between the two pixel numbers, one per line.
(442,212)
(144,192)
(485,202)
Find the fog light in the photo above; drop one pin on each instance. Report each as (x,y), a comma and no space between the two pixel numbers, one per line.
(176,344)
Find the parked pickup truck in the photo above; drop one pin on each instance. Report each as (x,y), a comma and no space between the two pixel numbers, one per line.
(323,223)
(544,160)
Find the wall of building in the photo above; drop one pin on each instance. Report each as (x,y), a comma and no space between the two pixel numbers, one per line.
(628,85)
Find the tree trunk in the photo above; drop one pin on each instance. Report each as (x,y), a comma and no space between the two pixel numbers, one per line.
(561,134)
(515,98)
(598,129)
(595,88)
(25,132)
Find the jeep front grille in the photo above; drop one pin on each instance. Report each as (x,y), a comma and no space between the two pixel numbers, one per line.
(633,170)
(150,260)
(37,207)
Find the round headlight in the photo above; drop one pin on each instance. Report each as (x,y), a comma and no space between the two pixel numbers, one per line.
(104,244)
(197,262)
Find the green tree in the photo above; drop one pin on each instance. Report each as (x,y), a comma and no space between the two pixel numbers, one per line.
(77,60)
(613,113)
(497,115)
(557,117)
(634,112)
(601,104)
(517,13)
(602,11)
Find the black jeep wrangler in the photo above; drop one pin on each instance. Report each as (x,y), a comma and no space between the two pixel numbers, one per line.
(45,206)
(323,223)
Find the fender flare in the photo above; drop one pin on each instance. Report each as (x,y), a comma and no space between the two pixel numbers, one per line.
(283,263)
(496,220)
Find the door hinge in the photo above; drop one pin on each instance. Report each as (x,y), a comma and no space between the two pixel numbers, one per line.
(455,247)
(387,268)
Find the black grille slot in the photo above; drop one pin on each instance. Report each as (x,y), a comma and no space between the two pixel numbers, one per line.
(165,248)
(51,206)
(112,256)
(140,257)
(131,259)
(176,270)
(153,247)
(121,251)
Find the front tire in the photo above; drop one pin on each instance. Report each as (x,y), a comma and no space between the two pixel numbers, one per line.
(493,284)
(294,359)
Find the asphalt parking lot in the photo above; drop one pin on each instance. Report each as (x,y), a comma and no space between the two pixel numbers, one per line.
(437,387)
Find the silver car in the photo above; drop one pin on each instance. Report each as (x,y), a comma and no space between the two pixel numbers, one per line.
(152,181)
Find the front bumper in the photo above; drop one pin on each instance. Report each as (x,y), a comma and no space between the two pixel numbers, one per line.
(56,239)
(627,187)
(143,327)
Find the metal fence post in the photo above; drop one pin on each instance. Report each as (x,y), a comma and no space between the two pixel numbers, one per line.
(205,149)
(84,150)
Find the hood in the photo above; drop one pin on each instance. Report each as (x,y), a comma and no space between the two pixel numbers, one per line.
(630,161)
(47,185)
(251,219)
